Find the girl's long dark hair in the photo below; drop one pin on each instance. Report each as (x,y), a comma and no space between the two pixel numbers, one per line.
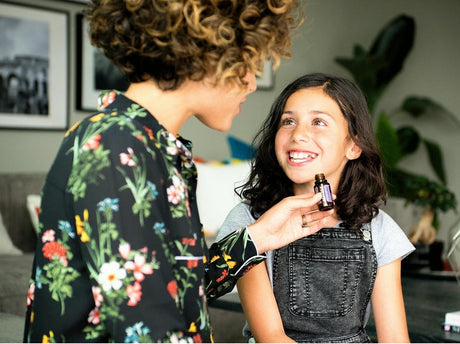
(361,185)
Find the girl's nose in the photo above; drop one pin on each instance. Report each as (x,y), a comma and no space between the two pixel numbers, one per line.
(300,134)
(250,78)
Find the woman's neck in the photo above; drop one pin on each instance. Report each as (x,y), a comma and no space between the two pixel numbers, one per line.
(168,107)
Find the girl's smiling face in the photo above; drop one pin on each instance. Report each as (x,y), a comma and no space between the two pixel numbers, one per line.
(313,137)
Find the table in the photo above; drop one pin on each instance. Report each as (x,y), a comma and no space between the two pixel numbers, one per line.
(427,297)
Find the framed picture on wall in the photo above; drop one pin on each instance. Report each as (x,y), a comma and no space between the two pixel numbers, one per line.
(95,72)
(265,81)
(33,67)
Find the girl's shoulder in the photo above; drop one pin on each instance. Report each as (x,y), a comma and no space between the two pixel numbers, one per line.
(239,216)
(384,220)
(389,239)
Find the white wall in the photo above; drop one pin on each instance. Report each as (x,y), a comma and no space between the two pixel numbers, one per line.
(331,29)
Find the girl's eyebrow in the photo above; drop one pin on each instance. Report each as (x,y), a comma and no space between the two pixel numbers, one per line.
(319,112)
(311,112)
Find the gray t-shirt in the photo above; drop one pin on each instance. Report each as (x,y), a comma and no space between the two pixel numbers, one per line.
(389,240)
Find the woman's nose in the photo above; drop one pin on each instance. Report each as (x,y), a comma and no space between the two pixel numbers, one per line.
(251,81)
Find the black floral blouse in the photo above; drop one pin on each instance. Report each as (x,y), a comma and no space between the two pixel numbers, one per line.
(121,254)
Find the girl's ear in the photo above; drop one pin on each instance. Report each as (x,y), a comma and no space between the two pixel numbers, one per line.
(354,151)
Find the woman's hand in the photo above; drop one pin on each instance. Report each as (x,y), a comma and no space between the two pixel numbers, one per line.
(292,218)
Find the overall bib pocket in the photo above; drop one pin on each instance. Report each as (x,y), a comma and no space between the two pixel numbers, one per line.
(312,293)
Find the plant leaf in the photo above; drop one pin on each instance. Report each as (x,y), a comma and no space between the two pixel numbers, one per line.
(418,106)
(387,140)
(393,43)
(419,190)
(409,140)
(436,159)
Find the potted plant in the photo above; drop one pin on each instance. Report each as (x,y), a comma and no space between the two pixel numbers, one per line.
(373,71)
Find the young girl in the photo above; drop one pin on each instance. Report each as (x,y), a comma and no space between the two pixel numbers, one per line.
(319,288)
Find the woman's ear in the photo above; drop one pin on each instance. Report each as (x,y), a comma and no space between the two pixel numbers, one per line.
(354,151)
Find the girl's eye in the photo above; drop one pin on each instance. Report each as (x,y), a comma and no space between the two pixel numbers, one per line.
(319,122)
(287,121)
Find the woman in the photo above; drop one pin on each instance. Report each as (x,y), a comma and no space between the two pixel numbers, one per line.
(121,254)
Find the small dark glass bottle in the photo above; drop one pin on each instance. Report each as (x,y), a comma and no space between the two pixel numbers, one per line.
(321,185)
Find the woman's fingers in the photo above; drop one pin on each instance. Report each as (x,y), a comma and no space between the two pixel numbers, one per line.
(291,219)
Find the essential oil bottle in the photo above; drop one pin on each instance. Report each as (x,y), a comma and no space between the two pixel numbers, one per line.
(321,185)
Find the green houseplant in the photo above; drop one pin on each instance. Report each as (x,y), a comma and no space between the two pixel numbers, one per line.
(373,71)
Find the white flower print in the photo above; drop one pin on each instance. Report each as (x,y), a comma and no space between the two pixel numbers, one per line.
(111,275)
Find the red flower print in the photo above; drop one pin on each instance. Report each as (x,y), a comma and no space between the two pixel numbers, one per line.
(139,267)
(30,294)
(94,316)
(149,132)
(172,289)
(48,235)
(174,195)
(134,293)
(92,142)
(126,158)
(197,338)
(54,249)
(192,263)
(189,241)
(107,99)
(224,274)
(97,295)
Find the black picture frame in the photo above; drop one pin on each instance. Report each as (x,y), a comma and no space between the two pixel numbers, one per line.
(34,55)
(95,72)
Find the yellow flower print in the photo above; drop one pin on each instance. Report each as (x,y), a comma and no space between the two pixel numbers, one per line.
(81,226)
(231,264)
(213,259)
(49,339)
(192,327)
(97,118)
(72,128)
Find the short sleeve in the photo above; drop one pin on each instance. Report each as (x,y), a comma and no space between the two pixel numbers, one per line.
(389,240)
(238,217)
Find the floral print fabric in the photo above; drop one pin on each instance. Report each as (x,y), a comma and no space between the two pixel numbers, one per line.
(121,254)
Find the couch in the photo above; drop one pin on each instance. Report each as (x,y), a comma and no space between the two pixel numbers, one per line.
(18,236)
(17,242)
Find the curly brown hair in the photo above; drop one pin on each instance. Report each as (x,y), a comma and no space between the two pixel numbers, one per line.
(171,41)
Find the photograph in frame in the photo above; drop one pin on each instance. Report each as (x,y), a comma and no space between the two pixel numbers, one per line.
(95,72)
(33,67)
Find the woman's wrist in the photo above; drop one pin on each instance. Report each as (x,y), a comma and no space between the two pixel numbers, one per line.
(257,238)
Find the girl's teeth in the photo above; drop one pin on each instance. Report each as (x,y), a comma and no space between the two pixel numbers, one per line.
(301,156)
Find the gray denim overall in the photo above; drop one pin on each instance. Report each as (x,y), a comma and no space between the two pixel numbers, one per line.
(323,283)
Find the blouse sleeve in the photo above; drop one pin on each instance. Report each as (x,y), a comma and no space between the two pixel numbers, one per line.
(233,254)
(230,258)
